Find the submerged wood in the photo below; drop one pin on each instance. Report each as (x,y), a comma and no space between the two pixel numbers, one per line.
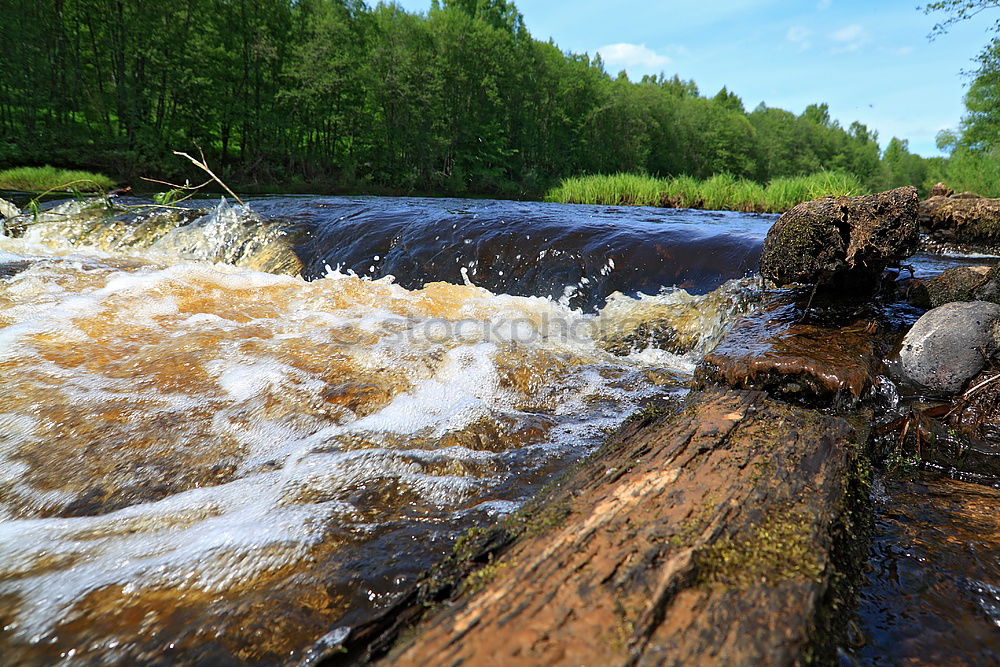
(709,535)
(962,218)
(814,363)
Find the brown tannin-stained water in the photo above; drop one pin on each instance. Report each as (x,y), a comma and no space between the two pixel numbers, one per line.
(225,433)
(932,592)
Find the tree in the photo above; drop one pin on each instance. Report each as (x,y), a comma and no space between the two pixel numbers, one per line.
(957,11)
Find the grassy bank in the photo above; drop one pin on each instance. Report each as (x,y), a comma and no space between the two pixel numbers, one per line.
(41,179)
(722,192)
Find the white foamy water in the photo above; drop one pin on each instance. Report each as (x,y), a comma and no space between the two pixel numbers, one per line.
(178,433)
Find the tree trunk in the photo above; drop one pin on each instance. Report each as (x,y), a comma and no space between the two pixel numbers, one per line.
(712,535)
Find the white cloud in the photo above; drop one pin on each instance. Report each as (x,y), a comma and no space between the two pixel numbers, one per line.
(632,55)
(850,38)
(799,36)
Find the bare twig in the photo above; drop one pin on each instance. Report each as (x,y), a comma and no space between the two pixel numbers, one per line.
(204,167)
(174,185)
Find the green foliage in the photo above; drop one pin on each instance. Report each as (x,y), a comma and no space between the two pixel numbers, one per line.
(957,11)
(974,164)
(720,192)
(901,167)
(970,171)
(168,197)
(337,94)
(38,179)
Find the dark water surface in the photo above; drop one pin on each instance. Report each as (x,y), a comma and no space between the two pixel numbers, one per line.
(581,252)
(932,591)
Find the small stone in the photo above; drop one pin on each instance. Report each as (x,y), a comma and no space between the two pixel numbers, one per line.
(950,345)
(941,190)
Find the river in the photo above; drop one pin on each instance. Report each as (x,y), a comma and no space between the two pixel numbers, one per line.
(227,431)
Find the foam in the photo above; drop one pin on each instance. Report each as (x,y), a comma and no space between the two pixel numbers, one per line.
(307,392)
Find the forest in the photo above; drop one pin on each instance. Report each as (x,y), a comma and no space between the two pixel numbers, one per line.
(338,95)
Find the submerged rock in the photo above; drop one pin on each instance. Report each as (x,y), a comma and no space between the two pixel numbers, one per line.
(949,345)
(963,283)
(963,217)
(774,351)
(843,241)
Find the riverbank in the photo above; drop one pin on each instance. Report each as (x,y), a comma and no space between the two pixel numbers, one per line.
(48,178)
(720,192)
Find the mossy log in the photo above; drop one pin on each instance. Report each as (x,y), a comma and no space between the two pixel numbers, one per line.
(842,242)
(712,535)
(965,219)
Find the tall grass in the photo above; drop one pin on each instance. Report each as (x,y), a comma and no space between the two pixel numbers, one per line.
(40,179)
(721,192)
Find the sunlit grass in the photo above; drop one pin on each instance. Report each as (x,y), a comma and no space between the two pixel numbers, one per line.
(721,192)
(40,179)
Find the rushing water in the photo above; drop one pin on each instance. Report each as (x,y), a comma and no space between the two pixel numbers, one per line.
(225,432)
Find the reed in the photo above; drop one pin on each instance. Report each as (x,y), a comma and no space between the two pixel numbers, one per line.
(40,179)
(720,192)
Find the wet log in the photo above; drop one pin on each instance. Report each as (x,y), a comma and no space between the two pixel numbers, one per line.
(815,363)
(712,535)
(842,243)
(966,219)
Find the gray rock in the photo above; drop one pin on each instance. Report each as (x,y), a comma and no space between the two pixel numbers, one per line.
(949,345)
(8,210)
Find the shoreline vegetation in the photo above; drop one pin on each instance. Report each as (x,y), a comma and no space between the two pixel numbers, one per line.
(722,192)
(53,179)
(458,100)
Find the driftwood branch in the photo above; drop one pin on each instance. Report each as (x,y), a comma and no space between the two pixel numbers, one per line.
(201,164)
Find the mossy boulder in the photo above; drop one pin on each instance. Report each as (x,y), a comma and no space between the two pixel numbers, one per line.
(963,283)
(842,242)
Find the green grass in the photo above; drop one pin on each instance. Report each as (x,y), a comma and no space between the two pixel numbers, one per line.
(41,179)
(721,192)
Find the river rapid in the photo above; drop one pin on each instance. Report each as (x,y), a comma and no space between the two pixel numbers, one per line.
(227,431)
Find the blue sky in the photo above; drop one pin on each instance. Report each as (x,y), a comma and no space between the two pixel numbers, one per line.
(869,60)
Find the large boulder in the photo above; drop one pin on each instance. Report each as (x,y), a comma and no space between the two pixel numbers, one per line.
(950,345)
(844,242)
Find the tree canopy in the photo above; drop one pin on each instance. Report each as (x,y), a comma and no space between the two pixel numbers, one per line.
(460,99)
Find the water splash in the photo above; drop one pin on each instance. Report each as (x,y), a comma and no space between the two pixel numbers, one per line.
(186,447)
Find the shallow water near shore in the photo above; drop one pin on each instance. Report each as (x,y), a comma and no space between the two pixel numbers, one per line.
(931,595)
